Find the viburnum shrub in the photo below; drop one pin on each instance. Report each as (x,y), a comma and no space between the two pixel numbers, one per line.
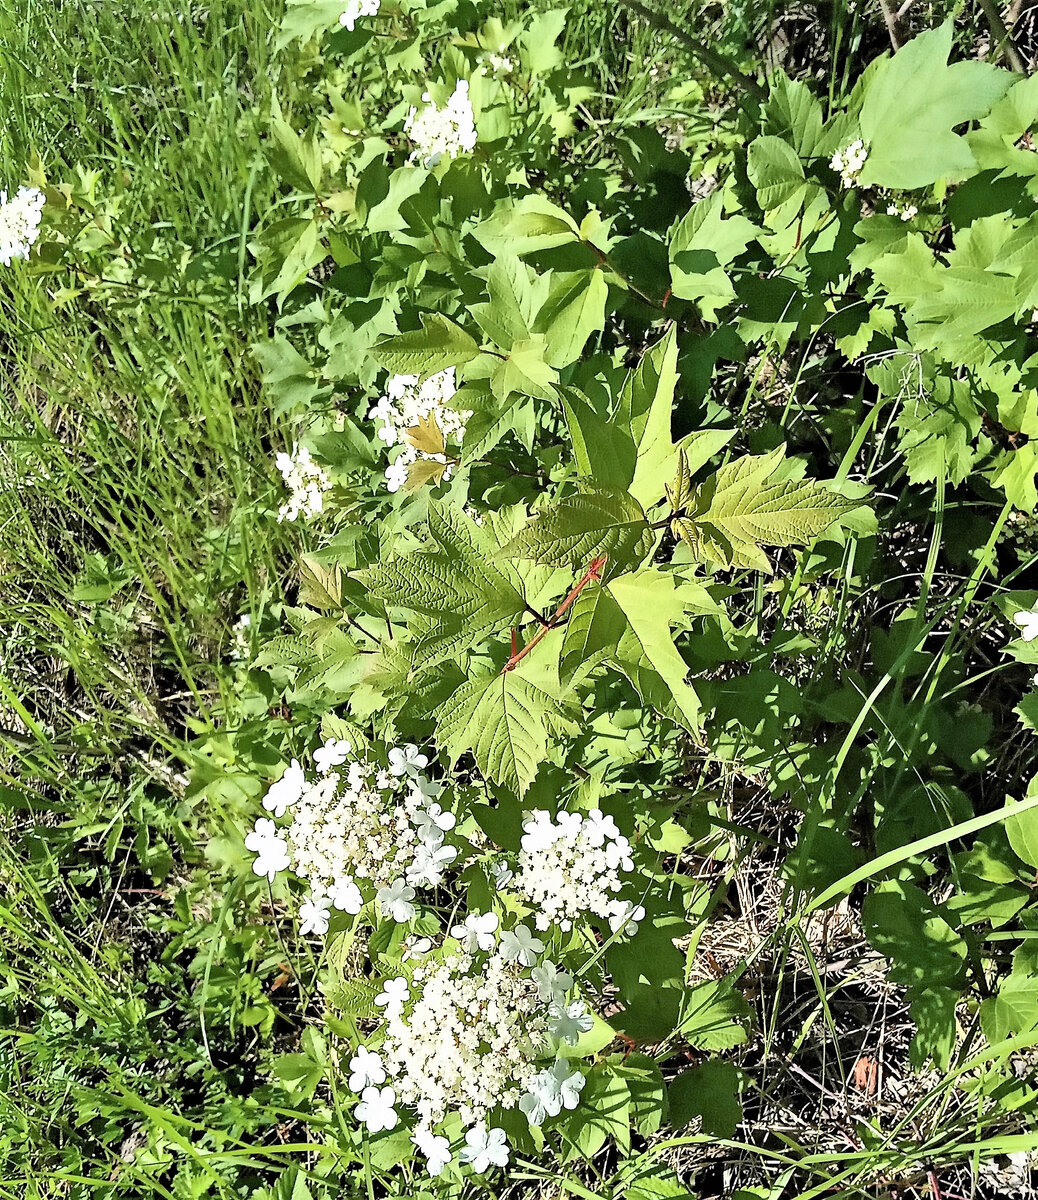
(506,354)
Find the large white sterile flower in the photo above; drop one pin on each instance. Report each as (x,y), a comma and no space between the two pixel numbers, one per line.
(436,1149)
(568,1022)
(519,945)
(1027,623)
(485,1148)
(269,847)
(314,915)
(479,931)
(395,901)
(286,791)
(366,1070)
(376,1109)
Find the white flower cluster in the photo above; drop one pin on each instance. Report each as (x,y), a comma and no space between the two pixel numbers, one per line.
(849,162)
(240,634)
(307,482)
(356,824)
(470,1039)
(570,866)
(1027,622)
(906,213)
(442,132)
(463,1036)
(355,9)
(20,218)
(498,64)
(408,402)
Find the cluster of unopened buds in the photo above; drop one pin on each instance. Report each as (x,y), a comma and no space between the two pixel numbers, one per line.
(357,832)
(306,480)
(849,162)
(20,217)
(409,403)
(438,133)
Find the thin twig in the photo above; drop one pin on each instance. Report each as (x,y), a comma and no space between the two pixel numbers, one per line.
(717,63)
(1002,37)
(892,20)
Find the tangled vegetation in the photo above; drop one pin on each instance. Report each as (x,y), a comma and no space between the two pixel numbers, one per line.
(520,607)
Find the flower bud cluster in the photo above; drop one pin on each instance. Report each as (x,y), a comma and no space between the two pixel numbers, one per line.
(849,162)
(408,403)
(442,132)
(306,480)
(571,866)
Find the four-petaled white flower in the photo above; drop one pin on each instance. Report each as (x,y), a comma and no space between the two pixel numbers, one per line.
(519,945)
(568,1022)
(286,791)
(407,760)
(1027,623)
(553,985)
(436,1150)
(393,996)
(366,1070)
(270,848)
(313,915)
(345,896)
(485,1148)
(478,932)
(376,1109)
(332,754)
(355,9)
(395,901)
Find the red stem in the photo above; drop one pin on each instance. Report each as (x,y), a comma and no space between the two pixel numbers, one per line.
(592,575)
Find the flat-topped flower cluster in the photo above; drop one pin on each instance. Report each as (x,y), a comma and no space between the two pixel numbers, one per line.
(306,480)
(356,832)
(476,1020)
(464,1035)
(570,868)
(408,403)
(444,132)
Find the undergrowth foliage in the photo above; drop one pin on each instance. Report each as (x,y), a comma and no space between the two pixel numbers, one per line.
(605,491)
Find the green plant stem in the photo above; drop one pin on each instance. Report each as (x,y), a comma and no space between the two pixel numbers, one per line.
(710,59)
